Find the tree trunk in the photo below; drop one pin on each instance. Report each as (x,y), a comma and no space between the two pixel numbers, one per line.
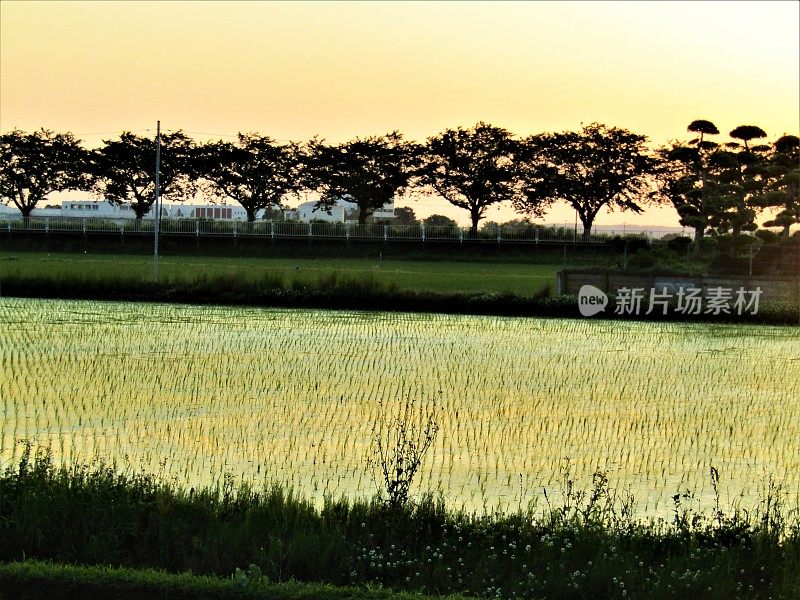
(251,214)
(699,232)
(140,210)
(587,222)
(475,217)
(26,210)
(363,213)
(786,233)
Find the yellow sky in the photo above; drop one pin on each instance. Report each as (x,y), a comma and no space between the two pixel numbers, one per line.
(339,70)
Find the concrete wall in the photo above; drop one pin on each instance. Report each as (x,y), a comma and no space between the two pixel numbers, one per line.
(569,282)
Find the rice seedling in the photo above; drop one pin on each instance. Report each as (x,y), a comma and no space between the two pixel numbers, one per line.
(192,393)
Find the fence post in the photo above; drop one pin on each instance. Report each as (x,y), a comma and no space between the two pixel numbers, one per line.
(536,235)
(460,235)
(272,229)
(422,230)
(385,232)
(310,229)
(46,224)
(234,229)
(347,231)
(197,229)
(84,224)
(498,234)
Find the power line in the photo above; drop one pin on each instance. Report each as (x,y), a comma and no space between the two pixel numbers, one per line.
(118,132)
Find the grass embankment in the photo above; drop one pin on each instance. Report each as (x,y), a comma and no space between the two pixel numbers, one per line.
(444,277)
(347,284)
(592,547)
(33,580)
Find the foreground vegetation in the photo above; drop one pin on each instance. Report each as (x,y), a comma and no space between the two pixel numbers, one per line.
(34,580)
(592,546)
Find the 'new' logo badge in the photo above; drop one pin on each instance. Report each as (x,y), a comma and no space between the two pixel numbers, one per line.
(591,300)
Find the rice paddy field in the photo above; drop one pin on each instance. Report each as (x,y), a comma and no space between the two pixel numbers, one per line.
(195,394)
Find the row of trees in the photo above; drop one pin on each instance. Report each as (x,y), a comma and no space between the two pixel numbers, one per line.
(714,187)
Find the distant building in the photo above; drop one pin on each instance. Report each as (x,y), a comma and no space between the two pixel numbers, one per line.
(94,208)
(341,212)
(308,212)
(103,209)
(11,212)
(385,212)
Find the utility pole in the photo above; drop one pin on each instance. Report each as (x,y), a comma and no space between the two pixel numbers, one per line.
(156,201)
(575,232)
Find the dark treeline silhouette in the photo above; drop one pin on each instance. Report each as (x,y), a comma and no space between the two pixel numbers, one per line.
(715,188)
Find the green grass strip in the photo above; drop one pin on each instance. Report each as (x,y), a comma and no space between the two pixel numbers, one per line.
(30,580)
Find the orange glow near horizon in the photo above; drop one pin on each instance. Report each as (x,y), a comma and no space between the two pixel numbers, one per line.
(340,70)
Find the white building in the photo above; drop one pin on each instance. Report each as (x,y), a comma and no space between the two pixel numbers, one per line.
(104,209)
(339,212)
(12,213)
(385,212)
(94,208)
(108,210)
(308,212)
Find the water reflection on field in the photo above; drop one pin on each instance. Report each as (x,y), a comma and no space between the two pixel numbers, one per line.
(195,392)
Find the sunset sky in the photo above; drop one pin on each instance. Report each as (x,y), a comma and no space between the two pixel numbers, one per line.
(340,70)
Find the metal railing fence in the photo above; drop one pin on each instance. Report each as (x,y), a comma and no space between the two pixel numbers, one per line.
(533,234)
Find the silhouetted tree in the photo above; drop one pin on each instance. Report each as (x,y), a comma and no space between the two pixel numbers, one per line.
(369,172)
(704,128)
(743,171)
(124,170)
(256,172)
(680,183)
(405,216)
(685,179)
(274,213)
(747,133)
(781,192)
(472,168)
(439,221)
(730,211)
(33,165)
(596,167)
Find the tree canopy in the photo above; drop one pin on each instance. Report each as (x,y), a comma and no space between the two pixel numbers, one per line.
(33,165)
(369,172)
(594,168)
(405,216)
(703,127)
(747,133)
(472,168)
(123,170)
(439,221)
(781,191)
(720,188)
(256,172)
